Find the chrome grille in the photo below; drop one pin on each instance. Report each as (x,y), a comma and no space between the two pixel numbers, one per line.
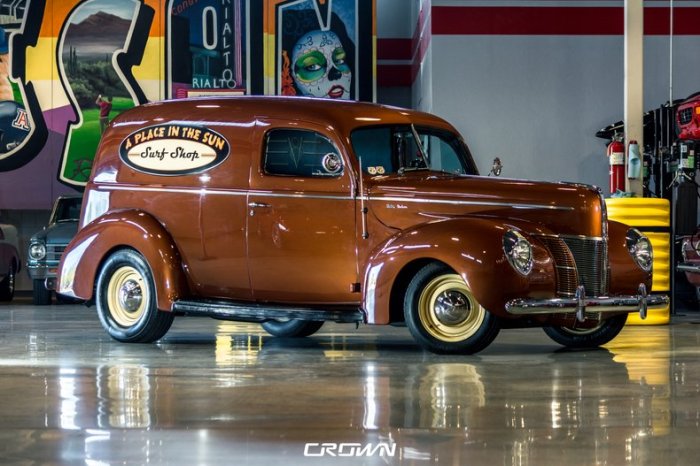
(54,252)
(685,115)
(565,266)
(591,256)
(579,261)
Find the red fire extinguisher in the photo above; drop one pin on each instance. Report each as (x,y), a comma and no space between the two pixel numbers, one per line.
(616,156)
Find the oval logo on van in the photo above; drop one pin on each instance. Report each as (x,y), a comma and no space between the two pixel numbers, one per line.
(173,149)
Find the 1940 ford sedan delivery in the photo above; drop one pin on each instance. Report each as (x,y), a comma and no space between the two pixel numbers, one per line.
(294,211)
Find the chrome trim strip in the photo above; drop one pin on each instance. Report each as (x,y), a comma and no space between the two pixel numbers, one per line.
(606,239)
(239,192)
(593,238)
(226,192)
(301,195)
(476,203)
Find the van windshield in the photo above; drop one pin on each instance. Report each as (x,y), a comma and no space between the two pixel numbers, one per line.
(403,148)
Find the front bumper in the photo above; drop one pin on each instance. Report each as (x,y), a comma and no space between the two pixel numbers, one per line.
(688,267)
(41,271)
(581,304)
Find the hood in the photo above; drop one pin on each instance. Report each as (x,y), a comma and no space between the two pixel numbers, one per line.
(416,197)
(58,233)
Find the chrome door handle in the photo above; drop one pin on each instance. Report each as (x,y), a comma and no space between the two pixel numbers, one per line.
(256,205)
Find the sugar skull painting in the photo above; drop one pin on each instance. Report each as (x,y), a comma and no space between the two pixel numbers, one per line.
(319,66)
(321,48)
(317,54)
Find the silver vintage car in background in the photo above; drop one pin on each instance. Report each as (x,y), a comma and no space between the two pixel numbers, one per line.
(47,246)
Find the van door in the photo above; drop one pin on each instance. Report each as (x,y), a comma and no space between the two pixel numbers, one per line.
(301,217)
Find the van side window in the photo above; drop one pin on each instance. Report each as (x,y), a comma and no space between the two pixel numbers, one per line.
(293,152)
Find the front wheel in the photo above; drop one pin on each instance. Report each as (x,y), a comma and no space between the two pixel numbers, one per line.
(294,328)
(443,314)
(40,295)
(599,335)
(126,300)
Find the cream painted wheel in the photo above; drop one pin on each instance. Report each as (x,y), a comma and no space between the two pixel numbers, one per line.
(448,310)
(127,296)
(126,299)
(444,316)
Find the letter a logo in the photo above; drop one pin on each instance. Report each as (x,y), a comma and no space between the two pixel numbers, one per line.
(21,121)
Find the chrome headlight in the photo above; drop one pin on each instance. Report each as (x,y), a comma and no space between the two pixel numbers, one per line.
(640,249)
(37,251)
(518,250)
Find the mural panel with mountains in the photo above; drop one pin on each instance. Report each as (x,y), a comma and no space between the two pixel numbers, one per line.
(96,35)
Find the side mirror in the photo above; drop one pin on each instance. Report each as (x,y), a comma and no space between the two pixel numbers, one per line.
(496,167)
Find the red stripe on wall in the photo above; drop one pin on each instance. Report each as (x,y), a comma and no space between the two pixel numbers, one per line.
(526,20)
(557,20)
(686,21)
(394,49)
(394,75)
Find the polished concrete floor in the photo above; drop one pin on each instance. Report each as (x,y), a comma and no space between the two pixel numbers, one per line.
(216,392)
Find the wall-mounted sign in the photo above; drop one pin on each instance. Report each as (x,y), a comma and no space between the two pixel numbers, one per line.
(319,48)
(171,150)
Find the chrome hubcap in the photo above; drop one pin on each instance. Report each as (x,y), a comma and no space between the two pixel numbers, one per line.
(451,307)
(130,296)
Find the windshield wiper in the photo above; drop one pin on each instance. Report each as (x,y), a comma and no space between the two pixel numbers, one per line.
(403,170)
(419,144)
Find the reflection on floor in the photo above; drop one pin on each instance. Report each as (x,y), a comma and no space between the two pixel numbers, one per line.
(216,392)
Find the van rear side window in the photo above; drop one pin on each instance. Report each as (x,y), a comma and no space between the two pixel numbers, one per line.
(290,152)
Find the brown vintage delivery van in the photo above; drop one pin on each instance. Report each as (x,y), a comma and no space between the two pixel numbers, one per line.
(294,211)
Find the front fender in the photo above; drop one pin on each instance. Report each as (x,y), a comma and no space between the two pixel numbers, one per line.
(625,274)
(471,246)
(134,229)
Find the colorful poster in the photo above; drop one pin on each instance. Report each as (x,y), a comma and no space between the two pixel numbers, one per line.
(69,67)
(206,47)
(93,38)
(22,129)
(320,48)
(73,66)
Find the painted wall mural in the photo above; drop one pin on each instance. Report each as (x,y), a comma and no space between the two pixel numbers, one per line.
(320,48)
(207,52)
(22,129)
(68,67)
(93,43)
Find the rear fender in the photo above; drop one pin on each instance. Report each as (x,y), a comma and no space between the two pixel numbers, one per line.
(133,229)
(472,247)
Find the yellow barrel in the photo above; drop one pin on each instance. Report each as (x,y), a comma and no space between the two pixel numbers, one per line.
(653,218)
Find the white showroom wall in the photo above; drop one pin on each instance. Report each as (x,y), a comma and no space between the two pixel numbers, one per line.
(536,101)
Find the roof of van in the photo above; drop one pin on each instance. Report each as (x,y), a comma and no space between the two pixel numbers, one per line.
(341,114)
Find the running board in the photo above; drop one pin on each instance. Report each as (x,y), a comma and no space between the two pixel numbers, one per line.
(246,312)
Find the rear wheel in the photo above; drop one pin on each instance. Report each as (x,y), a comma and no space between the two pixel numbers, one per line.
(126,300)
(7,285)
(588,337)
(294,328)
(40,295)
(443,314)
